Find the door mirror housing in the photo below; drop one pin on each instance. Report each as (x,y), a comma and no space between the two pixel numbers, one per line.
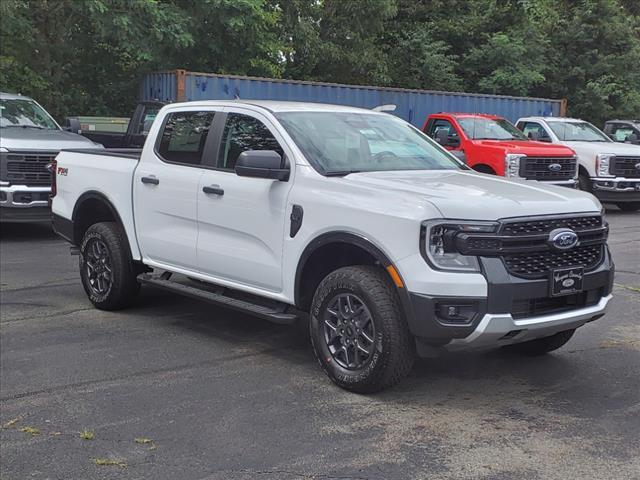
(534,135)
(262,164)
(72,124)
(446,140)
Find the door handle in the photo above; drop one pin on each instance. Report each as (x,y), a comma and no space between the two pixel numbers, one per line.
(214,190)
(150,180)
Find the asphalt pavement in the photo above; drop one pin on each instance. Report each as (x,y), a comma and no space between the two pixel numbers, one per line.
(176,389)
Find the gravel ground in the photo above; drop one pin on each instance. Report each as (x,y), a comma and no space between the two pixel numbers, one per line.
(176,389)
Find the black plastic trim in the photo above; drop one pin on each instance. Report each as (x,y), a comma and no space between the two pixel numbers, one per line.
(63,227)
(92,194)
(132,153)
(297,214)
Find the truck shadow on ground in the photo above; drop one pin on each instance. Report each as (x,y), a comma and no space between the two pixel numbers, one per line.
(26,232)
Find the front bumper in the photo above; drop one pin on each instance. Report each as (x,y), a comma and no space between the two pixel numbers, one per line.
(514,309)
(573,183)
(21,203)
(618,189)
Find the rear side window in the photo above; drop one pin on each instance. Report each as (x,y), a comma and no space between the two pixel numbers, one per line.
(184,137)
(242,133)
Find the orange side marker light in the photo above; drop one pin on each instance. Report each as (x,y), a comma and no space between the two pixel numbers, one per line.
(395,276)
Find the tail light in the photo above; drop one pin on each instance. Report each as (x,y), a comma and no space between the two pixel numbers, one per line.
(53,167)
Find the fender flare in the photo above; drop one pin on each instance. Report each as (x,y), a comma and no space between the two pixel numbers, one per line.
(101,197)
(358,241)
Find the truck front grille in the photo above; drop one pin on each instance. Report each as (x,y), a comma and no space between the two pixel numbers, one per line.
(29,168)
(544,168)
(628,167)
(529,227)
(539,264)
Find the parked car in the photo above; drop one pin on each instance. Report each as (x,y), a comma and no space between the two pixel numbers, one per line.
(624,131)
(29,141)
(491,144)
(355,218)
(136,132)
(609,170)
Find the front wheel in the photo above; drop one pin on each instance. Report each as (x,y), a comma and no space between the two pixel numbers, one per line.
(540,346)
(628,206)
(358,330)
(106,269)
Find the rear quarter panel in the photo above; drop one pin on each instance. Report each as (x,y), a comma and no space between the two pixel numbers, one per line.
(110,176)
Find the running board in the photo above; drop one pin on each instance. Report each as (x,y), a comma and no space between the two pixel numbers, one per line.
(278,315)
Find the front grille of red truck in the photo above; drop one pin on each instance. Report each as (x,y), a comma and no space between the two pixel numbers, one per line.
(28,168)
(524,245)
(548,168)
(628,167)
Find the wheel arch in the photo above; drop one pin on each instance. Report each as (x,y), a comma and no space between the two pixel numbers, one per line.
(94,207)
(353,249)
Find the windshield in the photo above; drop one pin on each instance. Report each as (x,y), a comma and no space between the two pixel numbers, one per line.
(577,132)
(346,142)
(25,114)
(481,128)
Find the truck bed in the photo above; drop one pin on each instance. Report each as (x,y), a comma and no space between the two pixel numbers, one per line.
(133,153)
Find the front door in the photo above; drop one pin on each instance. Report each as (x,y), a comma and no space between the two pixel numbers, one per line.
(241,220)
(165,189)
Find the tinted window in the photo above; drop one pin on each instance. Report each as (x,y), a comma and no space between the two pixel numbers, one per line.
(440,124)
(621,132)
(184,137)
(531,128)
(242,133)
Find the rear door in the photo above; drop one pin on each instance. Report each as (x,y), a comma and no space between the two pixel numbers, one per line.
(241,227)
(165,187)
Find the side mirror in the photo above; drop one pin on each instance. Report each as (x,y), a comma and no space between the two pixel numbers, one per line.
(442,136)
(534,135)
(261,164)
(72,124)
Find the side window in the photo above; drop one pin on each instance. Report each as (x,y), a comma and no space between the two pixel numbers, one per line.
(440,124)
(621,132)
(242,133)
(184,137)
(532,128)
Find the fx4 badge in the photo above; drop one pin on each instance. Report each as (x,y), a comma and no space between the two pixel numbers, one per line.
(63,171)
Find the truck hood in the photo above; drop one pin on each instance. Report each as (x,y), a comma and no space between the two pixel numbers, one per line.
(526,147)
(35,139)
(594,148)
(464,194)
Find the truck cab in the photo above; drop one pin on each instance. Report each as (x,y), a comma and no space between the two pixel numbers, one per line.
(623,131)
(491,144)
(609,170)
(30,139)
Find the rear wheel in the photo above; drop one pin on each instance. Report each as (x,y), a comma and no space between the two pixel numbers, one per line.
(540,346)
(358,330)
(628,206)
(106,269)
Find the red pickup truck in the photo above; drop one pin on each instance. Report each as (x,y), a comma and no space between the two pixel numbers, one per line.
(490,144)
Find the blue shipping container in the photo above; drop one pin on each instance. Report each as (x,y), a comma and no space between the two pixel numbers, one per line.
(411,105)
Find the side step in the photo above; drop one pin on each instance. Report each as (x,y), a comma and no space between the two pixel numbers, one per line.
(277,314)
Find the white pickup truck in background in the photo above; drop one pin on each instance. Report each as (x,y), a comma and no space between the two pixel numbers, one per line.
(609,170)
(352,218)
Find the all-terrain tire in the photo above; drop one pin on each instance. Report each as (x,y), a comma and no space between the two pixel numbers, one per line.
(115,264)
(393,348)
(628,206)
(540,346)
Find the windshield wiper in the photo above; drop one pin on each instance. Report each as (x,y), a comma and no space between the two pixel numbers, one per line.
(339,173)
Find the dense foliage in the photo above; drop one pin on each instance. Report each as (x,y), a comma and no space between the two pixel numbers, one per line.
(88,56)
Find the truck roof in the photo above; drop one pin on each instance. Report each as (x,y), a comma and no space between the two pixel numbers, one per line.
(552,119)
(467,114)
(276,106)
(13,96)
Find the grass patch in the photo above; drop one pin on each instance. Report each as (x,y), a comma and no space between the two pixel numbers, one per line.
(109,462)
(143,440)
(11,423)
(87,435)
(33,431)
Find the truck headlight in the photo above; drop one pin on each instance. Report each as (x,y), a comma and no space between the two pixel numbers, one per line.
(603,162)
(512,164)
(438,244)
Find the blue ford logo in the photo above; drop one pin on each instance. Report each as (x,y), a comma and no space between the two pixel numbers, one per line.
(555,167)
(637,165)
(563,239)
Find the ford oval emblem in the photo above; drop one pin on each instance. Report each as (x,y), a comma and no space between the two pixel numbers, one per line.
(637,165)
(555,167)
(563,239)
(568,282)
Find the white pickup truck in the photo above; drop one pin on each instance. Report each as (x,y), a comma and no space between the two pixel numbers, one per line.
(351,218)
(609,170)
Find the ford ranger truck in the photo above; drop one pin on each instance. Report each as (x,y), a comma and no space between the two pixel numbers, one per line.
(491,144)
(609,170)
(352,219)
(29,141)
